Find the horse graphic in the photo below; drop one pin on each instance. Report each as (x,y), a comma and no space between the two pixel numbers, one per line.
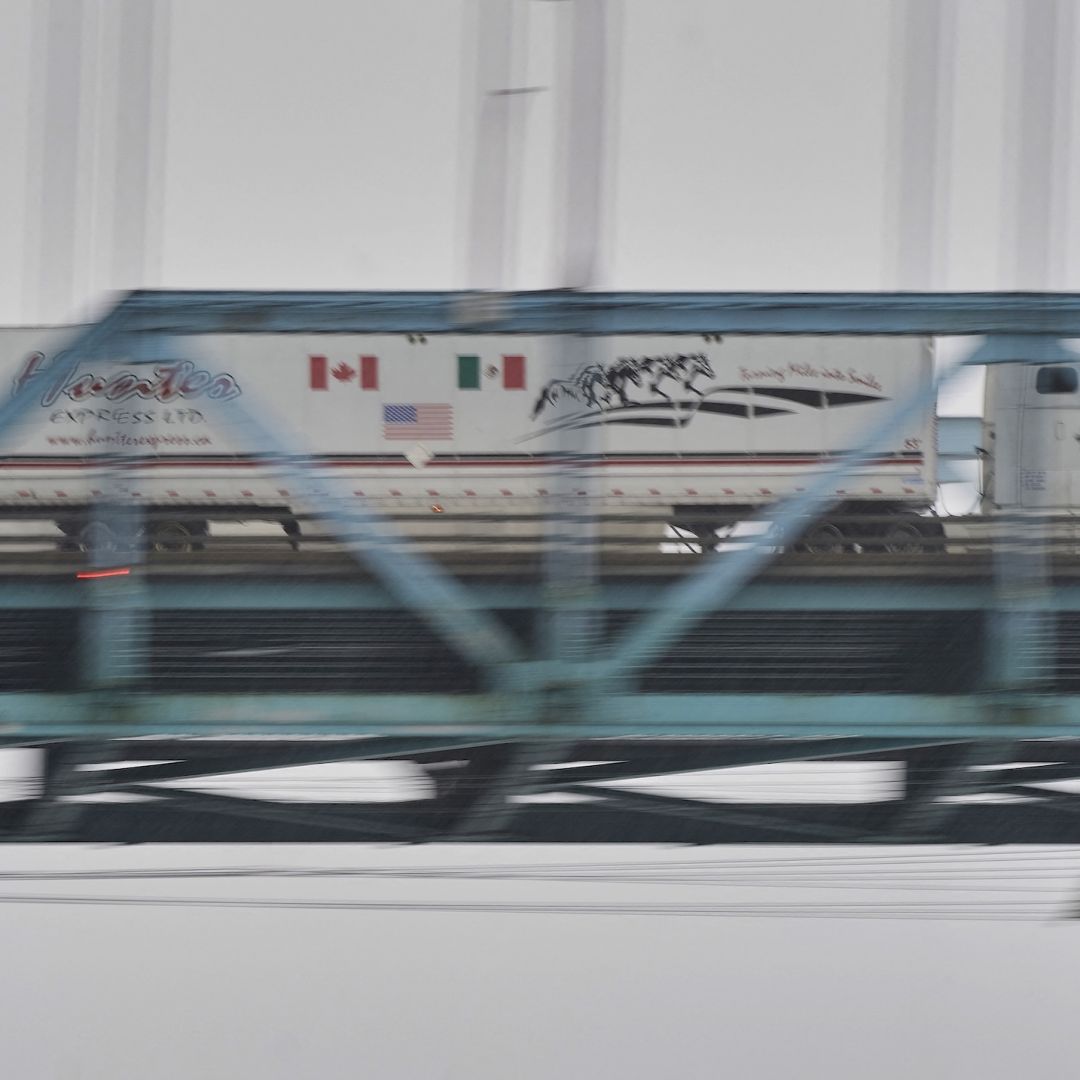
(596,386)
(600,386)
(625,370)
(683,368)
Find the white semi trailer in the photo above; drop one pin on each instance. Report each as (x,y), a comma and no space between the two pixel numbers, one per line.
(697,431)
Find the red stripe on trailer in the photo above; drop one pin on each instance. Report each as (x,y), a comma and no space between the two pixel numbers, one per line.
(176,461)
(317,372)
(369,373)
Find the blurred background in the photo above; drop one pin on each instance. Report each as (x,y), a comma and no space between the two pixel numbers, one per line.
(748,145)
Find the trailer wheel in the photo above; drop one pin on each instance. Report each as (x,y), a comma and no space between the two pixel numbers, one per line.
(96,537)
(174,538)
(903,538)
(824,539)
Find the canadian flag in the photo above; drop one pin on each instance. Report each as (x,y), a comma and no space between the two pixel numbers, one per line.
(365,372)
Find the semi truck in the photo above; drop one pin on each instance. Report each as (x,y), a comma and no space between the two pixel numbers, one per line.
(696,431)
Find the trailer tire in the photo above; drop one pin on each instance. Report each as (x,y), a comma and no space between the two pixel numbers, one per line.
(96,537)
(176,538)
(825,538)
(903,538)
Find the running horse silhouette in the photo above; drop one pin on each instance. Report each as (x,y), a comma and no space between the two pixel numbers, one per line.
(598,387)
(684,368)
(595,385)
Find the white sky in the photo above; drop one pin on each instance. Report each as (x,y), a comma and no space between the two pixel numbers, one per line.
(329,144)
(326,144)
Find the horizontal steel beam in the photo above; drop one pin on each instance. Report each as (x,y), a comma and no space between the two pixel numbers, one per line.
(474,786)
(205,312)
(1034,822)
(960,716)
(843,594)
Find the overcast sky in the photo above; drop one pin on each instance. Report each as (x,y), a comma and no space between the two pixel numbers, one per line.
(752,144)
(330,144)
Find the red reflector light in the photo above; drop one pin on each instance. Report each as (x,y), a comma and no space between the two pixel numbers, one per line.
(85,575)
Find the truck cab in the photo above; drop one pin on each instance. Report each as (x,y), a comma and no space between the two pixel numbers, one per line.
(1031,438)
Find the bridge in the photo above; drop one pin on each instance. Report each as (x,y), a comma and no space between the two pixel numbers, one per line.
(529,689)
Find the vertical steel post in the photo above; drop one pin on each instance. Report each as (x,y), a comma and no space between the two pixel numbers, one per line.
(1023,629)
(117,622)
(573,621)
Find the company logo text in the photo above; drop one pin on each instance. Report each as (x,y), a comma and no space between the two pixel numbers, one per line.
(178,379)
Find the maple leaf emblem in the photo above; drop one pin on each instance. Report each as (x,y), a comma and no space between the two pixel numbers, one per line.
(342,372)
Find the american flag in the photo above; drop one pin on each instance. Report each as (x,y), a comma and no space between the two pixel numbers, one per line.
(418,421)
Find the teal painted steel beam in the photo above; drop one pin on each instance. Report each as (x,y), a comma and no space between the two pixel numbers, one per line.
(369,538)
(719,581)
(37,716)
(1028,348)
(843,594)
(554,312)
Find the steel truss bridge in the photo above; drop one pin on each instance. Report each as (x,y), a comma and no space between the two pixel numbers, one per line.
(528,690)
